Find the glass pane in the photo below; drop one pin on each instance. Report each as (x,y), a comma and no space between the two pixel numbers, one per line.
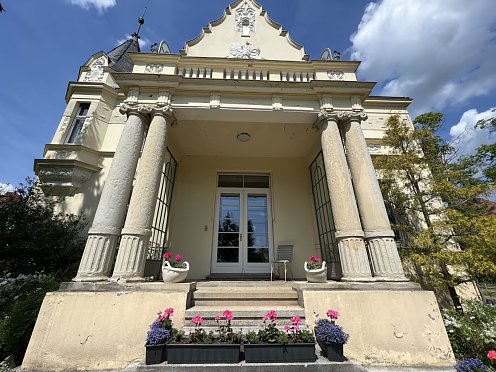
(230,180)
(83,109)
(257,213)
(229,199)
(257,226)
(258,240)
(75,130)
(228,240)
(229,212)
(257,200)
(258,255)
(261,182)
(228,225)
(227,255)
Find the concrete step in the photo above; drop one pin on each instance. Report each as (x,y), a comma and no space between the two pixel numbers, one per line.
(244,295)
(244,283)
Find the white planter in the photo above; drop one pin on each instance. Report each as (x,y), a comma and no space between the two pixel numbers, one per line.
(317,275)
(173,275)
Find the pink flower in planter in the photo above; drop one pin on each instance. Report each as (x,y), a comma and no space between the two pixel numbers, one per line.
(296,328)
(287,328)
(163,315)
(228,315)
(217,318)
(271,315)
(178,257)
(333,314)
(296,320)
(491,354)
(197,320)
(167,255)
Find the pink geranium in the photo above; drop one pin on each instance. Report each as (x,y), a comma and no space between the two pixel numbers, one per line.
(197,320)
(164,315)
(333,314)
(287,328)
(314,263)
(296,320)
(491,355)
(228,315)
(217,318)
(176,262)
(271,315)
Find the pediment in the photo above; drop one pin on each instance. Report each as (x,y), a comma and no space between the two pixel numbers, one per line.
(245,31)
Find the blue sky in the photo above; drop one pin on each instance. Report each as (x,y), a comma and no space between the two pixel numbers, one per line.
(440,53)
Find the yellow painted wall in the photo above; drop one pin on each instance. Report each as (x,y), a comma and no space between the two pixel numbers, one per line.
(194,198)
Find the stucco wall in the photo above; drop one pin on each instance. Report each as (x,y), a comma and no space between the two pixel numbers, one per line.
(386,327)
(93,331)
(193,207)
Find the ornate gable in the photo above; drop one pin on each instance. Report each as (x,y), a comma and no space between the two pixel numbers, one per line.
(245,31)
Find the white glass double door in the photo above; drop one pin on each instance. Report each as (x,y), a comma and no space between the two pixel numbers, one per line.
(243,236)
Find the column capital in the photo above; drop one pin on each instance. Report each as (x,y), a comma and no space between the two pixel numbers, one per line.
(136,109)
(326,115)
(357,116)
(166,112)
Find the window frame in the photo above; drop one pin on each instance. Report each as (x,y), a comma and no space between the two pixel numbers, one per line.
(77,118)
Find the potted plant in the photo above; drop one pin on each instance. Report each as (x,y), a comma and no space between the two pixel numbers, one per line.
(270,345)
(206,347)
(157,337)
(331,337)
(174,270)
(316,270)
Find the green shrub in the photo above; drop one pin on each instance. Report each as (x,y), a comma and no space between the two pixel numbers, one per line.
(473,332)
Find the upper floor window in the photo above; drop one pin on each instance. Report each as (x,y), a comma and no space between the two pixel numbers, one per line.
(78,122)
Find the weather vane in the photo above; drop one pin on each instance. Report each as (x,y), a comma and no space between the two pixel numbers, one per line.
(141,21)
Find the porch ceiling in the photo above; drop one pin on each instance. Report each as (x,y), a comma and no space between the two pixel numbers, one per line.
(273,134)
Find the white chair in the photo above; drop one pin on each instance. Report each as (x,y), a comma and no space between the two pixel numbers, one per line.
(284,256)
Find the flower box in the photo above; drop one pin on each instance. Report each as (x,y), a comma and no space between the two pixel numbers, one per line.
(155,354)
(203,353)
(332,351)
(279,353)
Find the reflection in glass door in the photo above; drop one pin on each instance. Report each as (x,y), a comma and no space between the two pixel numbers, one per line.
(243,235)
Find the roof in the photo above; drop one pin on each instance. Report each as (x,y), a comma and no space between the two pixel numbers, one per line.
(119,58)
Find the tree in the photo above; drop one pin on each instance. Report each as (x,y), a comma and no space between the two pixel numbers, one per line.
(451,238)
(38,249)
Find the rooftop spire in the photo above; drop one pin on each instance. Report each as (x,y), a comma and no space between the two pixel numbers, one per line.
(141,21)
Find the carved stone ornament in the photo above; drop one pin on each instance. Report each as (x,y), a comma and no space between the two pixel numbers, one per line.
(154,68)
(245,19)
(335,75)
(132,95)
(244,51)
(214,100)
(135,109)
(68,179)
(65,123)
(328,115)
(96,70)
(165,111)
(277,103)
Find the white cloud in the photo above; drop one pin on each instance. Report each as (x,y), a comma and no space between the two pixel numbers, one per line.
(100,5)
(142,41)
(466,136)
(5,188)
(440,53)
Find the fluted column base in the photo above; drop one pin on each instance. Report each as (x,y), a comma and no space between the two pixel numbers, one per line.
(353,254)
(96,263)
(386,262)
(130,263)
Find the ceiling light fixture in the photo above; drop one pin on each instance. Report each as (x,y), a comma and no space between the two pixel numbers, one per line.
(243,137)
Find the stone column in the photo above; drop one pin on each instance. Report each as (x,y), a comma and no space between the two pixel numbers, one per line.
(349,233)
(98,255)
(386,263)
(131,256)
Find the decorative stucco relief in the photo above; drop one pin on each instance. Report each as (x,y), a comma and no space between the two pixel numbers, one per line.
(132,95)
(243,51)
(154,68)
(96,70)
(64,177)
(335,75)
(65,123)
(245,19)
(214,100)
(277,103)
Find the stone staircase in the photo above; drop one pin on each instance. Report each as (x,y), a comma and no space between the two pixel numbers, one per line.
(248,301)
